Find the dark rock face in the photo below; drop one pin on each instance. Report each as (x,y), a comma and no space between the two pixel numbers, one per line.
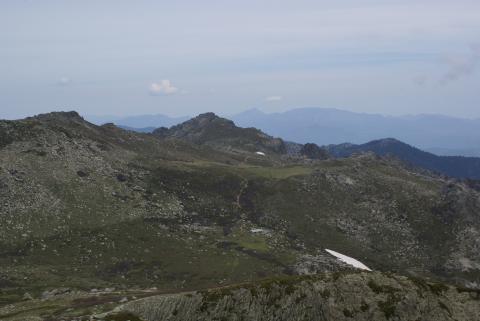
(313,151)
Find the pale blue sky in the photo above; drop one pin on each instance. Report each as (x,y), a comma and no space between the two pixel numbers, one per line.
(186,57)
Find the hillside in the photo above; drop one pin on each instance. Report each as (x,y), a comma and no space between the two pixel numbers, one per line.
(453,166)
(92,207)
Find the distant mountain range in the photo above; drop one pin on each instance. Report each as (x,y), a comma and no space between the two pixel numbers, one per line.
(436,134)
(141,123)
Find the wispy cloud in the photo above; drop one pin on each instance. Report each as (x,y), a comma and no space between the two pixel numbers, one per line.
(462,65)
(274,98)
(163,87)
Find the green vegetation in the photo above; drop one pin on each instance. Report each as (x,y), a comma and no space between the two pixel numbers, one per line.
(388,307)
(277,172)
(381,288)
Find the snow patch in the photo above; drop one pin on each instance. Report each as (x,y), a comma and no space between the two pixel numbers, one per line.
(259,230)
(349,260)
(260,153)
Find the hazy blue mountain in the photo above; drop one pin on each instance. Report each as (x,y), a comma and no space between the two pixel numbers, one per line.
(142,123)
(332,126)
(454,166)
(473,152)
(139,130)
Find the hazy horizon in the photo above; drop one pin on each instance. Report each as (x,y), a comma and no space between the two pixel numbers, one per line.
(184,57)
(121,116)
(269,112)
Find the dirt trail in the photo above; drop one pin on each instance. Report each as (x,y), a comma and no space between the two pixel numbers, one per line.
(242,189)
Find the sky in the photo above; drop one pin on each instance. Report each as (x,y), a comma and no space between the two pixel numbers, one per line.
(186,57)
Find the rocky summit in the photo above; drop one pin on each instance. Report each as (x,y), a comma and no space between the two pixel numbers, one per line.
(209,129)
(210,221)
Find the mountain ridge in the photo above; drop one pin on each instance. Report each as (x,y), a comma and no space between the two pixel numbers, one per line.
(440,134)
(454,166)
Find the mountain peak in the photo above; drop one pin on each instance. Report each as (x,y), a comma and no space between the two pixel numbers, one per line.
(210,116)
(210,129)
(387,142)
(204,126)
(60,115)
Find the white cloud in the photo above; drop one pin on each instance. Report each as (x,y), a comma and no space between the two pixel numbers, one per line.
(163,87)
(274,98)
(462,66)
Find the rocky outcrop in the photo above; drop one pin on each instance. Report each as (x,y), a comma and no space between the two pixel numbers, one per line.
(209,129)
(350,296)
(313,151)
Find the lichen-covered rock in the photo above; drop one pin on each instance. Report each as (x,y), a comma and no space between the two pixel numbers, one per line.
(331,297)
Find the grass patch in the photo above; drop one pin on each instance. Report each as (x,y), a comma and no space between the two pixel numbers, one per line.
(278,172)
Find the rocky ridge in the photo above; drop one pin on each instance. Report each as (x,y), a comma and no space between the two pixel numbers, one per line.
(355,296)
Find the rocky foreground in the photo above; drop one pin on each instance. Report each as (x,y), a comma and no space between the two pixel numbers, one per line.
(322,297)
(352,296)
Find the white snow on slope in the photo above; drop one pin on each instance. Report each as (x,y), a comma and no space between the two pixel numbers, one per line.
(349,260)
(260,153)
